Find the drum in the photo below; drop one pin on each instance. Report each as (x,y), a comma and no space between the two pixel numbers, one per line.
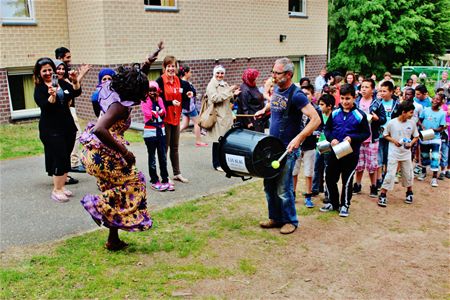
(244,152)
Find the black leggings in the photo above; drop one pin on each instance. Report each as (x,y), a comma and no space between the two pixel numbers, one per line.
(57,148)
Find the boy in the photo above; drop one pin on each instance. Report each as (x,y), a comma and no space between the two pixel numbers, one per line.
(347,123)
(422,96)
(390,107)
(326,104)
(432,118)
(307,153)
(368,153)
(398,133)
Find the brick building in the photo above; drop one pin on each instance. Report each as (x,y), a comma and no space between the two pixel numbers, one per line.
(107,33)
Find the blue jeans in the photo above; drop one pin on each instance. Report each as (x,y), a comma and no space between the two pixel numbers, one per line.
(280,193)
(444,153)
(157,144)
(432,159)
(319,172)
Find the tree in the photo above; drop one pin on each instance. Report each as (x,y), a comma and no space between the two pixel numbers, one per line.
(378,35)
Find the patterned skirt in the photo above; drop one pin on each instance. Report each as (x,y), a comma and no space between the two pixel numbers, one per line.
(122,203)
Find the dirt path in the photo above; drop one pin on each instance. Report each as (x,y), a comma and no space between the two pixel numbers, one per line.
(398,252)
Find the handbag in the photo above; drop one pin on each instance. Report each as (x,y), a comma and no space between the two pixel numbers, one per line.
(208,114)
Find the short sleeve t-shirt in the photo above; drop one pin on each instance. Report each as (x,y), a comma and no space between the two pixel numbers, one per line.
(399,131)
(433,119)
(418,108)
(425,102)
(278,104)
(388,109)
(365,107)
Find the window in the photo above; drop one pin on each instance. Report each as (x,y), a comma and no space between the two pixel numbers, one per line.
(17,12)
(161,5)
(297,8)
(299,68)
(21,93)
(154,74)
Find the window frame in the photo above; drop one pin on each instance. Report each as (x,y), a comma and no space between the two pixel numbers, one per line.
(296,14)
(162,8)
(21,113)
(31,20)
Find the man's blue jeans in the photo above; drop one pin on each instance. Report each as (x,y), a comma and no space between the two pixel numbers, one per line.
(280,193)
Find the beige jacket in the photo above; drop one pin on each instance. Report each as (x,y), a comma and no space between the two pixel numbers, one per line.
(220,94)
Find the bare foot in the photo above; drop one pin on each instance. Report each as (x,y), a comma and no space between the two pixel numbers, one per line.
(116,246)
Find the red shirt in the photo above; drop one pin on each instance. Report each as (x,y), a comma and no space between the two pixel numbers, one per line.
(172,91)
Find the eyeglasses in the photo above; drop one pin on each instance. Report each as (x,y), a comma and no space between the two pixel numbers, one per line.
(278,73)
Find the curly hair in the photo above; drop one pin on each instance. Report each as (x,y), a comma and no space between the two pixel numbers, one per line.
(130,83)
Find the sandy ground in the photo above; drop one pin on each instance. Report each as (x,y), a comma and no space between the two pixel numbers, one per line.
(398,252)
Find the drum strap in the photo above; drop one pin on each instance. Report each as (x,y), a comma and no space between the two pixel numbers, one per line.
(285,116)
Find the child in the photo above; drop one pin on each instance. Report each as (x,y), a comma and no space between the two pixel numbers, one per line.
(307,153)
(390,107)
(347,123)
(444,140)
(398,133)
(422,96)
(155,138)
(432,118)
(368,153)
(326,104)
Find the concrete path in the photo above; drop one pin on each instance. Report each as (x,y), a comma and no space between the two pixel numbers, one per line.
(28,216)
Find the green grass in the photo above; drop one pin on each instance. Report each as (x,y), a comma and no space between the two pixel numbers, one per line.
(22,140)
(185,245)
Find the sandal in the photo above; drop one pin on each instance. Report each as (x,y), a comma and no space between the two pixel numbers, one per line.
(59,197)
(116,247)
(200,144)
(68,193)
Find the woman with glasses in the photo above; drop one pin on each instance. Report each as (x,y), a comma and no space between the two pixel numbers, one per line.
(220,94)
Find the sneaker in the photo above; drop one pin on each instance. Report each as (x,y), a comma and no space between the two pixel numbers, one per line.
(156,186)
(308,202)
(78,169)
(441,176)
(170,187)
(434,182)
(357,188)
(409,198)
(447,174)
(269,224)
(417,169)
(344,212)
(180,178)
(382,200)
(422,176)
(373,191)
(327,207)
(288,228)
(379,184)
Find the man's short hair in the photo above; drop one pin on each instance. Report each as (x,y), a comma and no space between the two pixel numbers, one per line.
(388,84)
(327,99)
(371,81)
(422,89)
(348,89)
(61,52)
(405,106)
(288,66)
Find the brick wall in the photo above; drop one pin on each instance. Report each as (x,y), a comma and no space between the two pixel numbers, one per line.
(202,74)
(5,112)
(313,65)
(23,45)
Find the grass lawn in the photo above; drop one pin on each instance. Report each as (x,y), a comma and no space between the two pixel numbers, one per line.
(21,140)
(181,249)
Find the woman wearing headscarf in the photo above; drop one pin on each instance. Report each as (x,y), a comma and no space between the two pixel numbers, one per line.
(104,75)
(220,95)
(250,100)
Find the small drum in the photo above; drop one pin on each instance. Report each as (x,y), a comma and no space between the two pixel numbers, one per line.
(342,149)
(426,135)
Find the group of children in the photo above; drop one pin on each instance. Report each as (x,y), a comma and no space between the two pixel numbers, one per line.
(384,137)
